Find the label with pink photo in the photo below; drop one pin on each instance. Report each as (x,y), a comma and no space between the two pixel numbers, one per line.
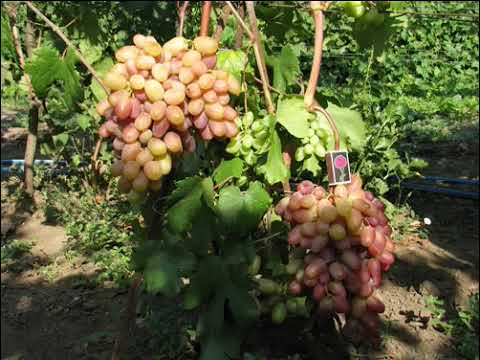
(338,167)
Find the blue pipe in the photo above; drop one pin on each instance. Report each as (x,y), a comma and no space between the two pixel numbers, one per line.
(451,192)
(19,163)
(11,162)
(450,180)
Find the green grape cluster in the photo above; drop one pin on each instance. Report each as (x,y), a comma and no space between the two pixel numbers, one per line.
(314,144)
(366,13)
(252,140)
(273,294)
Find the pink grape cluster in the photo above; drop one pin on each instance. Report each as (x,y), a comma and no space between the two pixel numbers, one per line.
(347,238)
(159,97)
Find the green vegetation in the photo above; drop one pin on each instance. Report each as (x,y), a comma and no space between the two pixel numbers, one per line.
(14,249)
(463,325)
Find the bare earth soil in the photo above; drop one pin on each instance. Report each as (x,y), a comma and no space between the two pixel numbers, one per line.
(62,314)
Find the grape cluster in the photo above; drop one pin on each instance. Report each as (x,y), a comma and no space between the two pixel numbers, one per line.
(346,236)
(366,13)
(314,144)
(252,140)
(159,95)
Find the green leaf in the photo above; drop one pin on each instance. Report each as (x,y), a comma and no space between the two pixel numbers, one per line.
(223,346)
(83,121)
(43,69)
(181,215)
(164,268)
(312,165)
(101,68)
(368,36)
(242,212)
(7,48)
(230,205)
(91,52)
(161,275)
(46,67)
(182,188)
(242,304)
(228,169)
(208,192)
(274,169)
(293,116)
(202,284)
(203,232)
(380,186)
(350,126)
(61,139)
(286,68)
(232,61)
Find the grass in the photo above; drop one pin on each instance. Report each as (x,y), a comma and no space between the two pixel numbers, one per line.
(49,272)
(14,250)
(463,326)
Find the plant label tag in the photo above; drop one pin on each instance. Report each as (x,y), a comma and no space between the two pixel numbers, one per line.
(338,167)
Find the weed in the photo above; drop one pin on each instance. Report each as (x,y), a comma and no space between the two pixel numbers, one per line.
(49,272)
(463,326)
(14,250)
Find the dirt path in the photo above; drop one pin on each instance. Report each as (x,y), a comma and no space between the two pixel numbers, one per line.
(51,306)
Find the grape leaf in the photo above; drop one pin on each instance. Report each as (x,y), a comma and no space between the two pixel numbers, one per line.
(202,283)
(350,126)
(293,116)
(312,165)
(242,212)
(181,215)
(60,139)
(43,69)
(101,68)
(368,36)
(203,232)
(83,121)
(274,169)
(225,345)
(257,201)
(232,61)
(164,267)
(161,276)
(46,67)
(208,192)
(286,68)
(71,78)
(91,52)
(230,204)
(182,188)
(242,304)
(228,169)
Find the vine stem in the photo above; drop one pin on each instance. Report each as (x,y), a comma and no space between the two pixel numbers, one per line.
(221,27)
(122,339)
(260,60)
(240,20)
(181,16)
(205,21)
(240,30)
(331,122)
(59,32)
(35,104)
(259,56)
(316,7)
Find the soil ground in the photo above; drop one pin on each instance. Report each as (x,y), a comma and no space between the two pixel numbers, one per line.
(52,309)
